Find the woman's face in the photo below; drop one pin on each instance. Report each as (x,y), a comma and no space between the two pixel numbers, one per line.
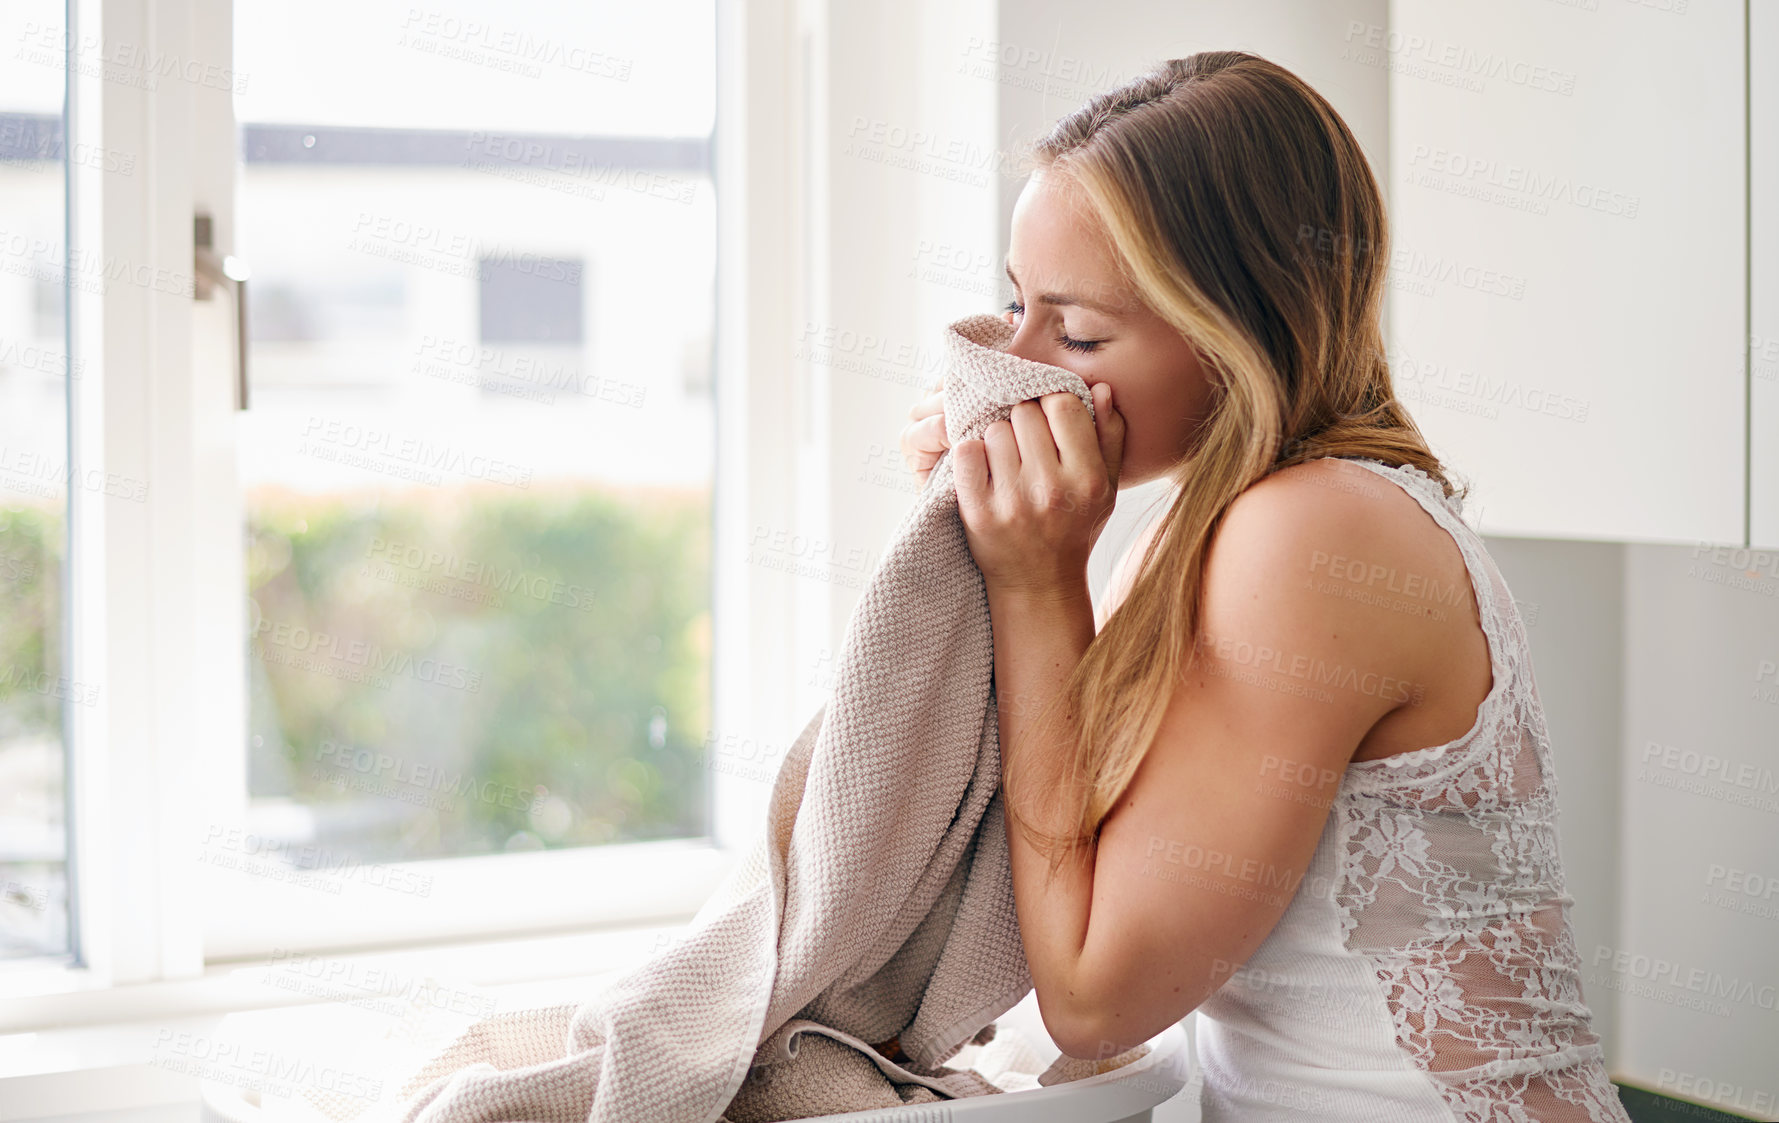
(1075,311)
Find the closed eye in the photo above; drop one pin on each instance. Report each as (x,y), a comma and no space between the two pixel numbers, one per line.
(1063,338)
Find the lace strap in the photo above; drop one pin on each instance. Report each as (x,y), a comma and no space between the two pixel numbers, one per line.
(1420,479)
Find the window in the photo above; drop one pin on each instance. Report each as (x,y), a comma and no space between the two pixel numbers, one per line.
(536,301)
(35,689)
(428,631)
(477,479)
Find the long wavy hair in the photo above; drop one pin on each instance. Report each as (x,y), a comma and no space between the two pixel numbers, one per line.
(1242,211)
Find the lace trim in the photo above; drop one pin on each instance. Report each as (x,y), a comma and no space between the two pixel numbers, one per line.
(1451,887)
(1412,472)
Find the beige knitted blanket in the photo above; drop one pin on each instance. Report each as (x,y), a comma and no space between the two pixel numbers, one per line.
(878,904)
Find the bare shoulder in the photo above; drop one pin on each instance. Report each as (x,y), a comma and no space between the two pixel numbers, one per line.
(1333,561)
(1305,516)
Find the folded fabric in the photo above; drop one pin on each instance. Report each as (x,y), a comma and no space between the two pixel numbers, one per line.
(874,919)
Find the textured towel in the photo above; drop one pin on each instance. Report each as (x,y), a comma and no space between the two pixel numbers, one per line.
(876,910)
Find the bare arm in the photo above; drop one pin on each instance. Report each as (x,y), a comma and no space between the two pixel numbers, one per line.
(1039,638)
(1204,851)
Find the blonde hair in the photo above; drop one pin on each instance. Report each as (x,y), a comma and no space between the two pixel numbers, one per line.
(1243,212)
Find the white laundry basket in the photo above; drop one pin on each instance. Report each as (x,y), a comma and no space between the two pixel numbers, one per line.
(1124,1095)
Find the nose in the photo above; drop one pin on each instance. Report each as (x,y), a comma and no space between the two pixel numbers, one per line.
(1026,343)
(1029,342)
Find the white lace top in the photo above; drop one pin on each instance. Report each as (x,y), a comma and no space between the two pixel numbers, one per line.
(1425,969)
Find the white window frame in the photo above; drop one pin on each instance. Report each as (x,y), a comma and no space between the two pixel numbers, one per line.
(158,585)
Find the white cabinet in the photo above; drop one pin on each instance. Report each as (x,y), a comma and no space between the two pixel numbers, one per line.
(1569,281)
(1763,276)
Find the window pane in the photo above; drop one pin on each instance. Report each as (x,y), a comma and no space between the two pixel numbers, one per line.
(479,451)
(34,368)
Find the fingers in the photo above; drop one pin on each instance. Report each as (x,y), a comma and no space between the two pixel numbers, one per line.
(922,443)
(1054,431)
(1003,451)
(929,433)
(970,469)
(1080,440)
(921,463)
(1037,448)
(927,406)
(925,436)
(1110,426)
(1075,442)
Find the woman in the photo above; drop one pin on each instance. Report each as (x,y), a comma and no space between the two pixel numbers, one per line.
(1295,775)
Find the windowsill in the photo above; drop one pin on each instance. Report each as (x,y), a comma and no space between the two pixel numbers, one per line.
(96,1049)
(256,912)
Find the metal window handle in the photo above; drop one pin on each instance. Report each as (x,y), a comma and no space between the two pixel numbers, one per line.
(209,271)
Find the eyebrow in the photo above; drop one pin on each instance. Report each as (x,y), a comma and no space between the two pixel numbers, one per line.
(1063,298)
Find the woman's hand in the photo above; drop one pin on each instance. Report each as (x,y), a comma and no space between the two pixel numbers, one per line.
(1036,490)
(924,439)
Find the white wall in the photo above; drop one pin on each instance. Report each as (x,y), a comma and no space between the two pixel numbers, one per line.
(1700,824)
(901,171)
(1571,596)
